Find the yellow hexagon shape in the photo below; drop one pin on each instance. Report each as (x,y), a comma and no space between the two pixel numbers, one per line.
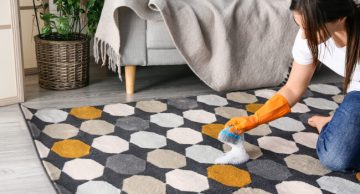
(229,175)
(253,107)
(86,112)
(212,130)
(358,176)
(71,148)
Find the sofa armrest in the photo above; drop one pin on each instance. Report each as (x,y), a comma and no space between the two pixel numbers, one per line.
(133,37)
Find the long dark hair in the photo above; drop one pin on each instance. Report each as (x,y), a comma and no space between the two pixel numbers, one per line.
(316,13)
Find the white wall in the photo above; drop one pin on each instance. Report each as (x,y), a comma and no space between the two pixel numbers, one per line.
(11,89)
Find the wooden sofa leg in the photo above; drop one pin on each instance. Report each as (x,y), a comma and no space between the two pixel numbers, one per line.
(130,74)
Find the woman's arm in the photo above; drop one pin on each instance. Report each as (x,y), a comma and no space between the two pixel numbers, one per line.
(299,79)
(280,104)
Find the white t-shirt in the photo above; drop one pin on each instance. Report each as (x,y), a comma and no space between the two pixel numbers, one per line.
(331,56)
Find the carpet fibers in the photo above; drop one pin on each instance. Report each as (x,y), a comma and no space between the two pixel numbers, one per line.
(170,145)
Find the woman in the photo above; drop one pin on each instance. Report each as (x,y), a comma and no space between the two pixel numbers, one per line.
(329,33)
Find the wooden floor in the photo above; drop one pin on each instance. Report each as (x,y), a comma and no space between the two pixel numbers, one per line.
(20,168)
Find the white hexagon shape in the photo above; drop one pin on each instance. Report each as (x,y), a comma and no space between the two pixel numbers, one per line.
(61,131)
(184,136)
(120,110)
(51,115)
(203,153)
(230,112)
(42,149)
(200,116)
(300,108)
(151,106)
(185,180)
(212,100)
(325,89)
(83,169)
(97,127)
(306,139)
(139,184)
(241,97)
(338,185)
(306,164)
(296,187)
(321,103)
(145,139)
(265,93)
(169,120)
(260,130)
(166,159)
(96,187)
(110,144)
(277,145)
(28,115)
(338,98)
(53,171)
(249,190)
(287,124)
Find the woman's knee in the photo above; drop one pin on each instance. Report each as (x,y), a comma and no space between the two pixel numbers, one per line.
(334,161)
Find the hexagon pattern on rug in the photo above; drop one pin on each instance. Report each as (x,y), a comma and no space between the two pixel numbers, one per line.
(83,169)
(151,106)
(167,120)
(184,136)
(277,145)
(132,123)
(51,115)
(126,164)
(203,153)
(52,170)
(97,127)
(166,159)
(287,124)
(230,112)
(212,100)
(71,148)
(150,140)
(120,110)
(229,175)
(61,131)
(185,180)
(242,97)
(200,116)
(306,164)
(170,145)
(110,144)
(139,184)
(296,187)
(96,187)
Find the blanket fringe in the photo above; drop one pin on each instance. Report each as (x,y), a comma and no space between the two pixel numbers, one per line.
(103,51)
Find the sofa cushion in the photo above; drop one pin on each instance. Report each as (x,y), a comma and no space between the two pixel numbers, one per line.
(164,57)
(157,36)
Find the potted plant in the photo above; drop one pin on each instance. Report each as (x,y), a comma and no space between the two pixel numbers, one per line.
(63,43)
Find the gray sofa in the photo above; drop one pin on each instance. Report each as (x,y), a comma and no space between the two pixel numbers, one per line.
(144,43)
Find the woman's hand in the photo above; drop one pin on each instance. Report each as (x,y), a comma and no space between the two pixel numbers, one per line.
(239,125)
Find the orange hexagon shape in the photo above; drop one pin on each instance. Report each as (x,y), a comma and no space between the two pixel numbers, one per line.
(71,148)
(229,175)
(86,112)
(253,107)
(212,130)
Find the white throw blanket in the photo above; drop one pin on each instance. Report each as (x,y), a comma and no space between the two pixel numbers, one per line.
(229,44)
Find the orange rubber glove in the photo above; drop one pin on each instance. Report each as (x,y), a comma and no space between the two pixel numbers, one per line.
(274,108)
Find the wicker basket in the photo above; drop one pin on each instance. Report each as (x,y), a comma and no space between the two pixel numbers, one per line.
(63,65)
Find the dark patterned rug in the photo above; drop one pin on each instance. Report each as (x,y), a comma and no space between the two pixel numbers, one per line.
(169,146)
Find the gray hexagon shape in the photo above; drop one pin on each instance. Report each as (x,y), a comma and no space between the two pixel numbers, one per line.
(132,123)
(126,164)
(183,103)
